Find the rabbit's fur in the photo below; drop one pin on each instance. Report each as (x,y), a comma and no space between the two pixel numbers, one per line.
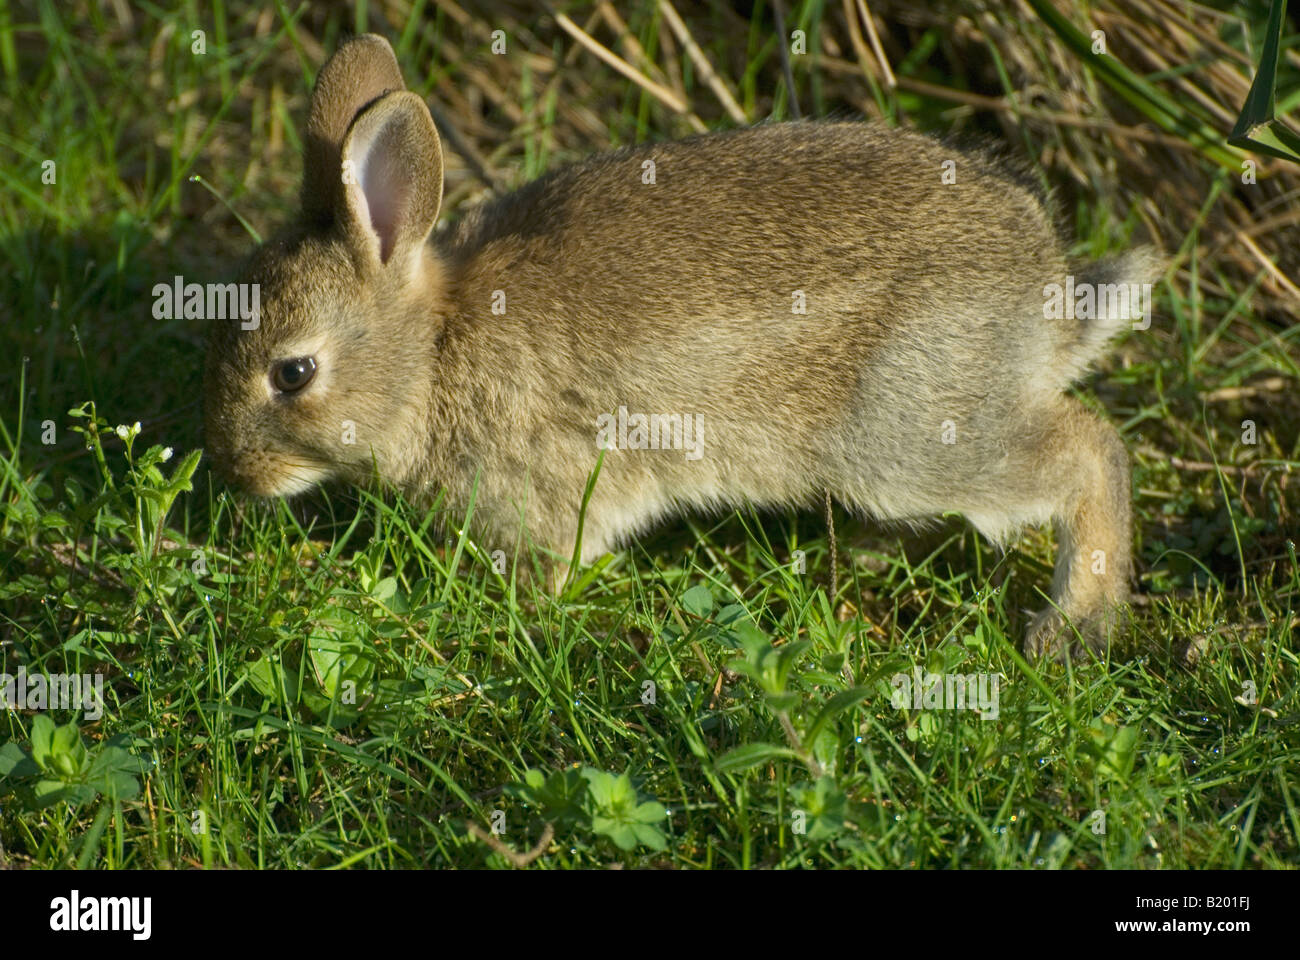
(924,323)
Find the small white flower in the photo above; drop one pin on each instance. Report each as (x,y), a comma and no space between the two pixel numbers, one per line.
(166,454)
(122,431)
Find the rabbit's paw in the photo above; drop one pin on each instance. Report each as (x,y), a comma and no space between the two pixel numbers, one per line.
(1052,637)
(1049,636)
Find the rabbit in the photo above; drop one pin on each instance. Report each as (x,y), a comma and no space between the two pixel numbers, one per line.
(818,306)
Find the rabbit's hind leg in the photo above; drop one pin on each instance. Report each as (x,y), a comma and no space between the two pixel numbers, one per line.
(1079,462)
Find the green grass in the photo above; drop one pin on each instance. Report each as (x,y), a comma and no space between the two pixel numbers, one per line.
(705,663)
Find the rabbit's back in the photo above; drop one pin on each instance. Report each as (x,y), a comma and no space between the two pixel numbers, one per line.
(855,215)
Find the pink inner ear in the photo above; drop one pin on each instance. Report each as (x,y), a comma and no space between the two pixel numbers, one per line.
(383,192)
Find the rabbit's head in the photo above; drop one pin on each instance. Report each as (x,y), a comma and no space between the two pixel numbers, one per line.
(333,371)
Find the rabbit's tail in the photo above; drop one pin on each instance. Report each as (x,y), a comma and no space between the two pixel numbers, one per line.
(1104,299)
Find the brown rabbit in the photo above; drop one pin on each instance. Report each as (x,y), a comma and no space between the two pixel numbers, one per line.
(751,317)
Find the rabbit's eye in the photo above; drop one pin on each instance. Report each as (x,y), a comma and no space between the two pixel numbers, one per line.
(294,374)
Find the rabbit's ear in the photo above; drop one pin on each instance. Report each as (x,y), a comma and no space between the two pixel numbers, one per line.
(360,72)
(392,176)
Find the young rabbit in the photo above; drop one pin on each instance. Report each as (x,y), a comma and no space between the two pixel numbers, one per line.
(750,317)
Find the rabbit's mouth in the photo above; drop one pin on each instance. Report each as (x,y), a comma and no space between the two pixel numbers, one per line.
(298,481)
(266,474)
